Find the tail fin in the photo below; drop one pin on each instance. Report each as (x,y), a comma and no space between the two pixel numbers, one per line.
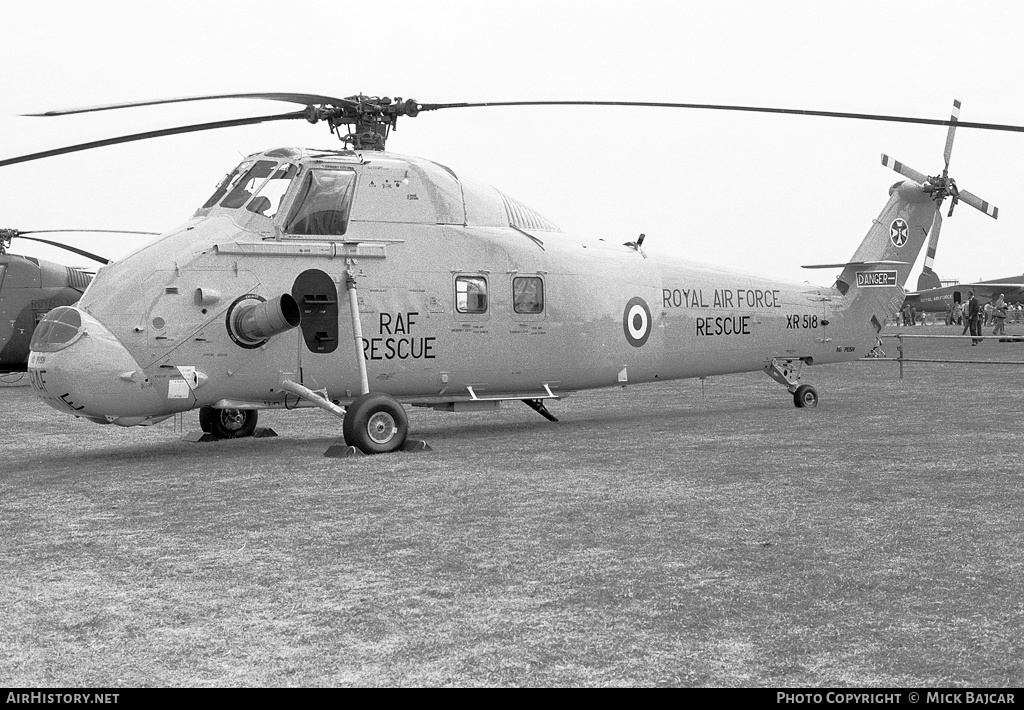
(874,292)
(873,280)
(897,237)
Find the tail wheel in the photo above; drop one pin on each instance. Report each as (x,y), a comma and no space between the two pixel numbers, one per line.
(375,423)
(805,396)
(228,423)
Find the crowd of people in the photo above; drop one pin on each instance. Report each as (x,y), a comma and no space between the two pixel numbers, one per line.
(970,314)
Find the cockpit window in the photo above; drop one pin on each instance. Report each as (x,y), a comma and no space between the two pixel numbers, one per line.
(229,180)
(267,200)
(323,204)
(242,191)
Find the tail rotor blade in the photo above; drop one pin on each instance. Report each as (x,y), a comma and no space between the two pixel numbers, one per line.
(928,278)
(904,170)
(954,117)
(979,204)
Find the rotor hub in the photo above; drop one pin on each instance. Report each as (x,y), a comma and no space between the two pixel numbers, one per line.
(368,119)
(6,235)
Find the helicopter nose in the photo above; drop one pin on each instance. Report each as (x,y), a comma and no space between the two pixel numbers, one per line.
(77,366)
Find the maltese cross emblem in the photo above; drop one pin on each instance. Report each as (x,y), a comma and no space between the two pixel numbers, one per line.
(898,232)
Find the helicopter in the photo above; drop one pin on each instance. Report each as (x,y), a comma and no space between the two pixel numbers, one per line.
(944,297)
(30,287)
(361,281)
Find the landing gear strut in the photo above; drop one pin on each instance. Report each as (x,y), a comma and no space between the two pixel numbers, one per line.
(537,405)
(787,372)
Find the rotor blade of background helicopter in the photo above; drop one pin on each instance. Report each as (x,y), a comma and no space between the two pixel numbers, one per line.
(904,170)
(153,134)
(978,203)
(755,109)
(304,99)
(80,252)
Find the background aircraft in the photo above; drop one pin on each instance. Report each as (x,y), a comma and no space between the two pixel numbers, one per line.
(30,286)
(938,300)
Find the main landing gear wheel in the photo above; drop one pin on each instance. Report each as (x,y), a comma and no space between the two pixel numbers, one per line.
(228,423)
(375,423)
(805,396)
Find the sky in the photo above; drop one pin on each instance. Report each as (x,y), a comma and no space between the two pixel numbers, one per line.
(750,192)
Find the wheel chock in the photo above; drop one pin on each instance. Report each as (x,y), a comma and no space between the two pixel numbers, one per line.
(196,437)
(341,451)
(415,446)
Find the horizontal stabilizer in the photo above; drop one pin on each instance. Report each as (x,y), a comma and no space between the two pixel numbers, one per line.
(853,263)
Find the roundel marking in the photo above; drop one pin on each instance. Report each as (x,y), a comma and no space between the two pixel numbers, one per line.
(899,232)
(636,322)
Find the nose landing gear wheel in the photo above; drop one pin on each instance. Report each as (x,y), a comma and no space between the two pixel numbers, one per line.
(805,396)
(375,424)
(228,423)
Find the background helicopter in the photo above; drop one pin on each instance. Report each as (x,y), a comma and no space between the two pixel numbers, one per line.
(942,298)
(30,286)
(349,215)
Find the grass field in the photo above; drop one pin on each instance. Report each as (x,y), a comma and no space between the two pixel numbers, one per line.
(682,534)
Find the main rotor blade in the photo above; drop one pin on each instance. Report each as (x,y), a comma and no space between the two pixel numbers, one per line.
(153,134)
(311,99)
(952,130)
(80,252)
(721,107)
(304,99)
(979,204)
(904,170)
(103,231)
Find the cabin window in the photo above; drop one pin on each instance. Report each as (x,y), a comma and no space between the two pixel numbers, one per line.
(243,190)
(528,294)
(471,294)
(323,204)
(267,200)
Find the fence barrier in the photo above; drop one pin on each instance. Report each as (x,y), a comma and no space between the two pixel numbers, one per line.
(901,349)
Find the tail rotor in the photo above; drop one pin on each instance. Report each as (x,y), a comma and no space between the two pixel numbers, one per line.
(943,186)
(940,187)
